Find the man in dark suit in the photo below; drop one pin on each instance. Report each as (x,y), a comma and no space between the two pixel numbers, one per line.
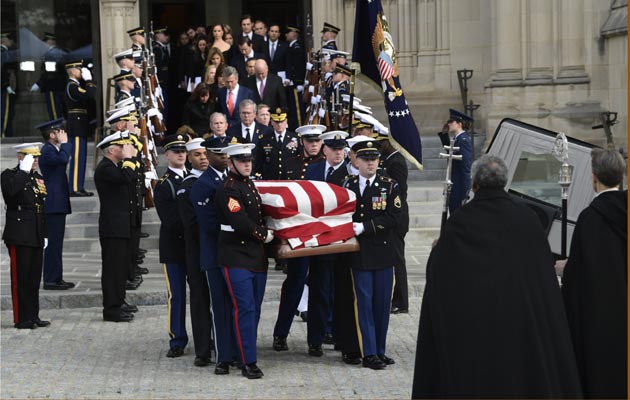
(245,53)
(247,27)
(274,148)
(53,163)
(248,130)
(457,125)
(231,95)
(267,88)
(113,177)
(276,51)
(378,212)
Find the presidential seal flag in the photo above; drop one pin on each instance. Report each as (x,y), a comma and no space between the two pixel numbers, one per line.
(375,52)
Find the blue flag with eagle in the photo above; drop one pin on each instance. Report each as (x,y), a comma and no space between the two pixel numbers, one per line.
(374,50)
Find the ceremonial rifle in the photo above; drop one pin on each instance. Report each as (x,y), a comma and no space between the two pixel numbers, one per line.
(448,184)
(351,103)
(150,84)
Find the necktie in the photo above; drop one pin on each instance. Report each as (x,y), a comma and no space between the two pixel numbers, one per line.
(330,171)
(223,176)
(230,103)
(273,50)
(367,186)
(249,138)
(262,88)
(280,139)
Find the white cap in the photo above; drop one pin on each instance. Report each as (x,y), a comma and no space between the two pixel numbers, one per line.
(120,137)
(356,139)
(29,148)
(310,130)
(240,150)
(116,113)
(356,104)
(338,135)
(195,144)
(124,53)
(125,102)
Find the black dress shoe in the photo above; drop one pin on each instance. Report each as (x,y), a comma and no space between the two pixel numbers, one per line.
(329,339)
(386,360)
(398,310)
(373,362)
(304,316)
(40,323)
(315,351)
(69,284)
(121,317)
(77,194)
(175,351)
(202,361)
(129,308)
(351,358)
(26,325)
(236,364)
(131,285)
(144,235)
(280,343)
(142,270)
(56,286)
(251,371)
(142,251)
(222,368)
(86,193)
(139,261)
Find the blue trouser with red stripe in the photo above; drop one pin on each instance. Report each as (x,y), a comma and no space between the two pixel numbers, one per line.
(176,285)
(373,291)
(76,174)
(290,295)
(247,289)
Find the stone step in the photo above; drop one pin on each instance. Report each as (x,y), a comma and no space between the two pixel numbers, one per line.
(91,217)
(92,245)
(85,231)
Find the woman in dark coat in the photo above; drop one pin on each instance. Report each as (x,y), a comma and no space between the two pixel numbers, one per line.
(198,109)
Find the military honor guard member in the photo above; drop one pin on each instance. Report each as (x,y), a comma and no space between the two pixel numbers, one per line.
(8,85)
(125,82)
(457,125)
(378,213)
(202,195)
(25,233)
(274,148)
(137,38)
(113,177)
(53,161)
(52,80)
(242,256)
(80,90)
(172,244)
(197,282)
(329,36)
(295,73)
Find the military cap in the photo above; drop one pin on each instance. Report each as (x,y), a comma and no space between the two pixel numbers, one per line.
(454,115)
(367,149)
(119,138)
(125,102)
(344,69)
(53,125)
(124,54)
(74,64)
(356,104)
(32,149)
(330,28)
(279,115)
(136,31)
(335,139)
(160,30)
(382,132)
(239,151)
(174,142)
(121,114)
(128,76)
(137,58)
(215,143)
(356,139)
(292,28)
(195,144)
(310,131)
(49,36)
(5,34)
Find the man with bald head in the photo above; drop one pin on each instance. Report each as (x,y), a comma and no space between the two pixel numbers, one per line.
(267,87)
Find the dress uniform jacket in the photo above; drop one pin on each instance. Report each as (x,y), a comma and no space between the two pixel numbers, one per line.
(78,96)
(296,167)
(202,196)
(162,59)
(330,44)
(24,195)
(271,155)
(113,183)
(53,163)
(172,247)
(240,208)
(460,175)
(296,63)
(379,210)
(395,166)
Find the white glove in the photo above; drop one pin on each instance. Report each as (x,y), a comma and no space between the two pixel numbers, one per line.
(269,237)
(322,112)
(286,82)
(300,88)
(152,112)
(158,92)
(10,90)
(26,164)
(35,87)
(315,100)
(311,89)
(45,242)
(86,74)
(358,228)
(309,66)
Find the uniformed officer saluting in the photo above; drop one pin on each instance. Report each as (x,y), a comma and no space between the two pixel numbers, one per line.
(378,212)
(242,256)
(25,233)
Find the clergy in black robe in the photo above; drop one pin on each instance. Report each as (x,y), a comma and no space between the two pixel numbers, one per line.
(594,284)
(492,323)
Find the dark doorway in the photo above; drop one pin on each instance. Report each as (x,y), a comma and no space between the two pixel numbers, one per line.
(282,12)
(177,16)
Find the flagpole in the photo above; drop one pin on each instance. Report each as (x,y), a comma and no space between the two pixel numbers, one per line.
(351,103)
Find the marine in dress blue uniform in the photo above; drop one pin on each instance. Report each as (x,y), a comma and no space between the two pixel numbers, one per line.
(25,233)
(242,256)
(53,162)
(378,212)
(80,90)
(172,245)
(460,175)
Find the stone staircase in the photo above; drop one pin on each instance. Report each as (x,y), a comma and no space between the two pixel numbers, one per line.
(82,257)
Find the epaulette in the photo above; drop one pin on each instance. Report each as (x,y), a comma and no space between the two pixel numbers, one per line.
(347,180)
(164,177)
(261,136)
(385,179)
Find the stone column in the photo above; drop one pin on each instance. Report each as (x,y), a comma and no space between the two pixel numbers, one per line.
(117,16)
(572,42)
(507,49)
(539,42)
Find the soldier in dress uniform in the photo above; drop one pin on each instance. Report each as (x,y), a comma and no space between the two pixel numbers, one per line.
(297,268)
(137,38)
(25,233)
(125,82)
(274,148)
(378,212)
(113,177)
(172,245)
(202,196)
(340,85)
(296,71)
(80,90)
(242,256)
(124,60)
(137,72)
(329,36)
(9,82)
(162,55)
(53,162)
(197,281)
(52,79)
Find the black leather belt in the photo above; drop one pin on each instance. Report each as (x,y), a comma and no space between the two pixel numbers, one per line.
(29,207)
(77,111)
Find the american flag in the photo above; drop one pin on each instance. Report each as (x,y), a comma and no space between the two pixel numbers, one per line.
(307,213)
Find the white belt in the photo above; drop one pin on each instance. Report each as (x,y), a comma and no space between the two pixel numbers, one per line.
(227,228)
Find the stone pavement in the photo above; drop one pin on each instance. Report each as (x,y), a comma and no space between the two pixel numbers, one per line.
(80,356)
